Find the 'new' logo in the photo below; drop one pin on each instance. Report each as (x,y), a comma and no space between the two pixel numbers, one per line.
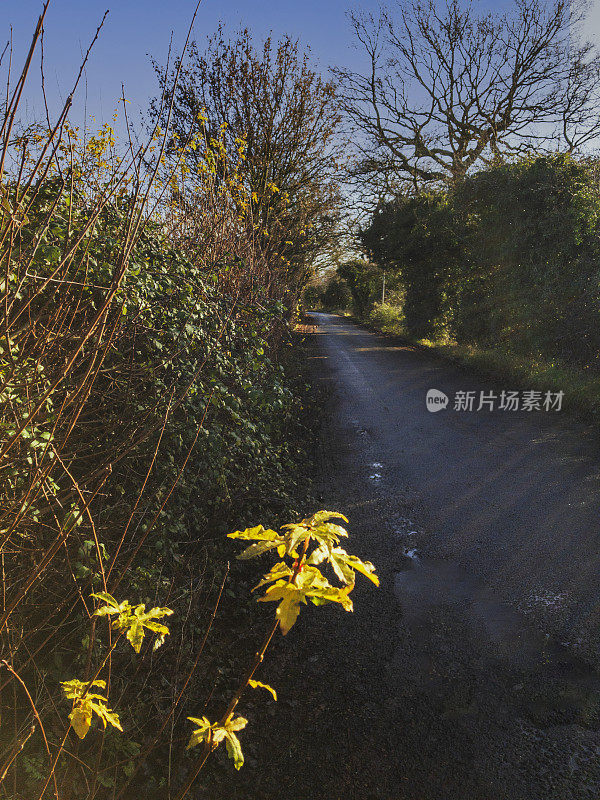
(436,400)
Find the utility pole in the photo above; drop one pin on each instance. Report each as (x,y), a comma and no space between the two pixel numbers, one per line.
(383,289)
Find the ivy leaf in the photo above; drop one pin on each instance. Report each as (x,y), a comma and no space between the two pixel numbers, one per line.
(258,685)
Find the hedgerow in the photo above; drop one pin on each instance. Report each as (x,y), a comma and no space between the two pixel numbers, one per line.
(150,402)
(508,259)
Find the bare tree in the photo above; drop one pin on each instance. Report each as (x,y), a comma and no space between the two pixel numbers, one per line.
(449,88)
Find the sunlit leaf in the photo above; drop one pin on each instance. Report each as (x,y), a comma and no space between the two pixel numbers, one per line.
(134,620)
(259,533)
(289,598)
(81,719)
(258,685)
(108,598)
(135,634)
(86,704)
(234,749)
(277,572)
(201,732)
(214,734)
(325,516)
(344,565)
(258,548)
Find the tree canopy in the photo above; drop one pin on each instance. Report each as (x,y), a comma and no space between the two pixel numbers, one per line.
(449,88)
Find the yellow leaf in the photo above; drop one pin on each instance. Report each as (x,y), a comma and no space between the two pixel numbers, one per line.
(135,634)
(81,719)
(289,607)
(258,685)
(258,533)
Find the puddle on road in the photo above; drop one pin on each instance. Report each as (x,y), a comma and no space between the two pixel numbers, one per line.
(376,475)
(412,553)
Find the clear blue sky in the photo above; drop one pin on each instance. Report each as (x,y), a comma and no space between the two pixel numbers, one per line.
(136,29)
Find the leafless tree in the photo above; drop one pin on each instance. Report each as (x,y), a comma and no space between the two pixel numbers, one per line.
(449,88)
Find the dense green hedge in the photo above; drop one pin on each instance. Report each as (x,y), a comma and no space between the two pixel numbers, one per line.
(195,419)
(510,259)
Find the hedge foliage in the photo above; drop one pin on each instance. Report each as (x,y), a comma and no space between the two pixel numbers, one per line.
(510,259)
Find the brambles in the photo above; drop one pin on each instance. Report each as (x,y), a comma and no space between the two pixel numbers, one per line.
(139,376)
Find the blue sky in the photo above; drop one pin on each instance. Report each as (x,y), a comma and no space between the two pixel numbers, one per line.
(136,29)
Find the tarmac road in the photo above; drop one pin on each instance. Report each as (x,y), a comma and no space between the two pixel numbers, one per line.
(512,496)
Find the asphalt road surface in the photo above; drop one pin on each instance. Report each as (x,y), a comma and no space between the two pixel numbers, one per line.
(512,496)
(471,674)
